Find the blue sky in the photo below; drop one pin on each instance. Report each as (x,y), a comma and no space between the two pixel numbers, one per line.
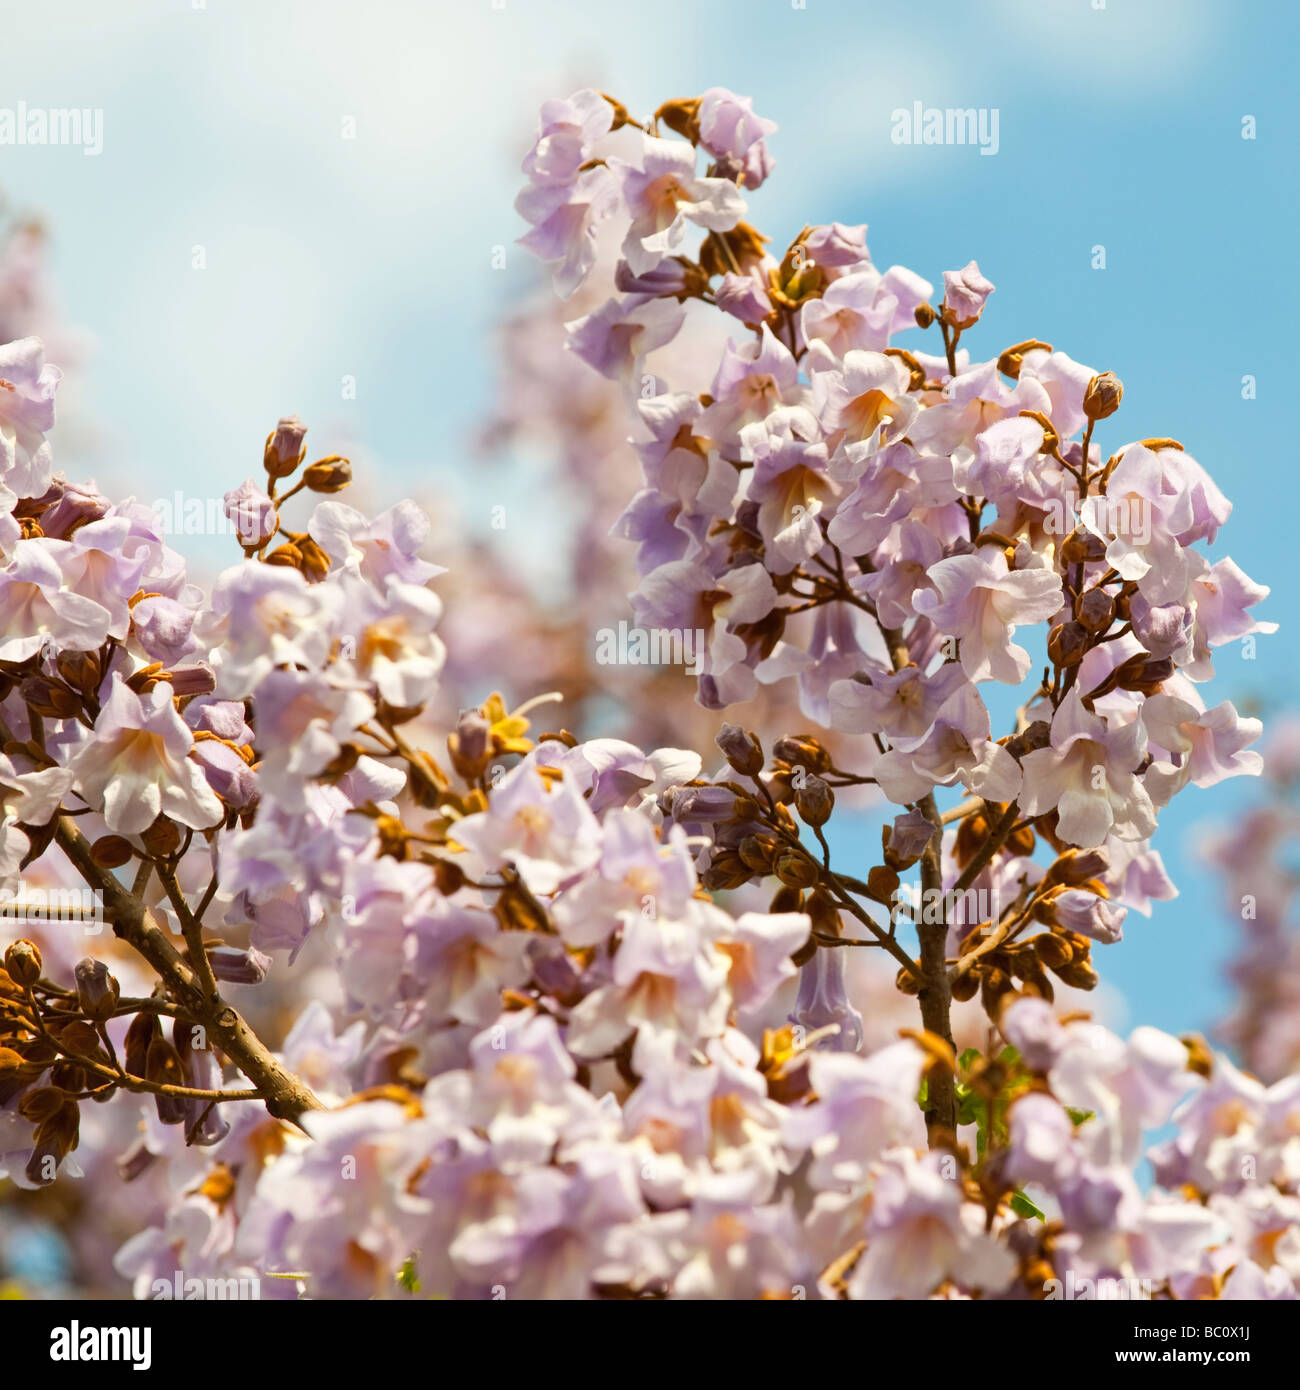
(370,257)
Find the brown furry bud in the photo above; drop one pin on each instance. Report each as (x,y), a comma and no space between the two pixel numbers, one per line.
(23,962)
(97,990)
(287,555)
(741,749)
(882,883)
(1053,950)
(995,985)
(908,981)
(814,801)
(795,870)
(756,852)
(164,1067)
(1080,546)
(1102,398)
(1094,610)
(965,987)
(727,870)
(315,562)
(1067,644)
(285,448)
(331,474)
(162,838)
(802,750)
(81,670)
(50,699)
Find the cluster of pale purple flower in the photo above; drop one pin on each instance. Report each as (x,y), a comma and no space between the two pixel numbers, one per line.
(1255,856)
(551,1065)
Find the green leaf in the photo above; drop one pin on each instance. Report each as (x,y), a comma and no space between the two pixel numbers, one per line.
(407,1277)
(971,1106)
(1009,1055)
(972,1054)
(1022,1206)
(1078,1116)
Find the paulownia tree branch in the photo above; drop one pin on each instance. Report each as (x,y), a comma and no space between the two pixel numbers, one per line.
(287,1096)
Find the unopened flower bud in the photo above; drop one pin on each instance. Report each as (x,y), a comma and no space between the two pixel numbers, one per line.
(163,1066)
(236,966)
(23,962)
(1103,396)
(1094,609)
(795,870)
(1080,546)
(1028,968)
(995,986)
(756,852)
(965,986)
(1077,866)
(470,744)
(741,749)
(814,801)
(315,564)
(81,670)
(254,515)
(882,883)
(1052,949)
(12,1064)
(288,555)
(162,838)
(143,1030)
(50,699)
(904,842)
(965,292)
(285,448)
(58,1133)
(67,1076)
(802,750)
(1079,974)
(786,899)
(726,871)
(1147,675)
(448,877)
(330,474)
(924,315)
(908,981)
(1067,644)
(40,1103)
(707,804)
(97,990)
